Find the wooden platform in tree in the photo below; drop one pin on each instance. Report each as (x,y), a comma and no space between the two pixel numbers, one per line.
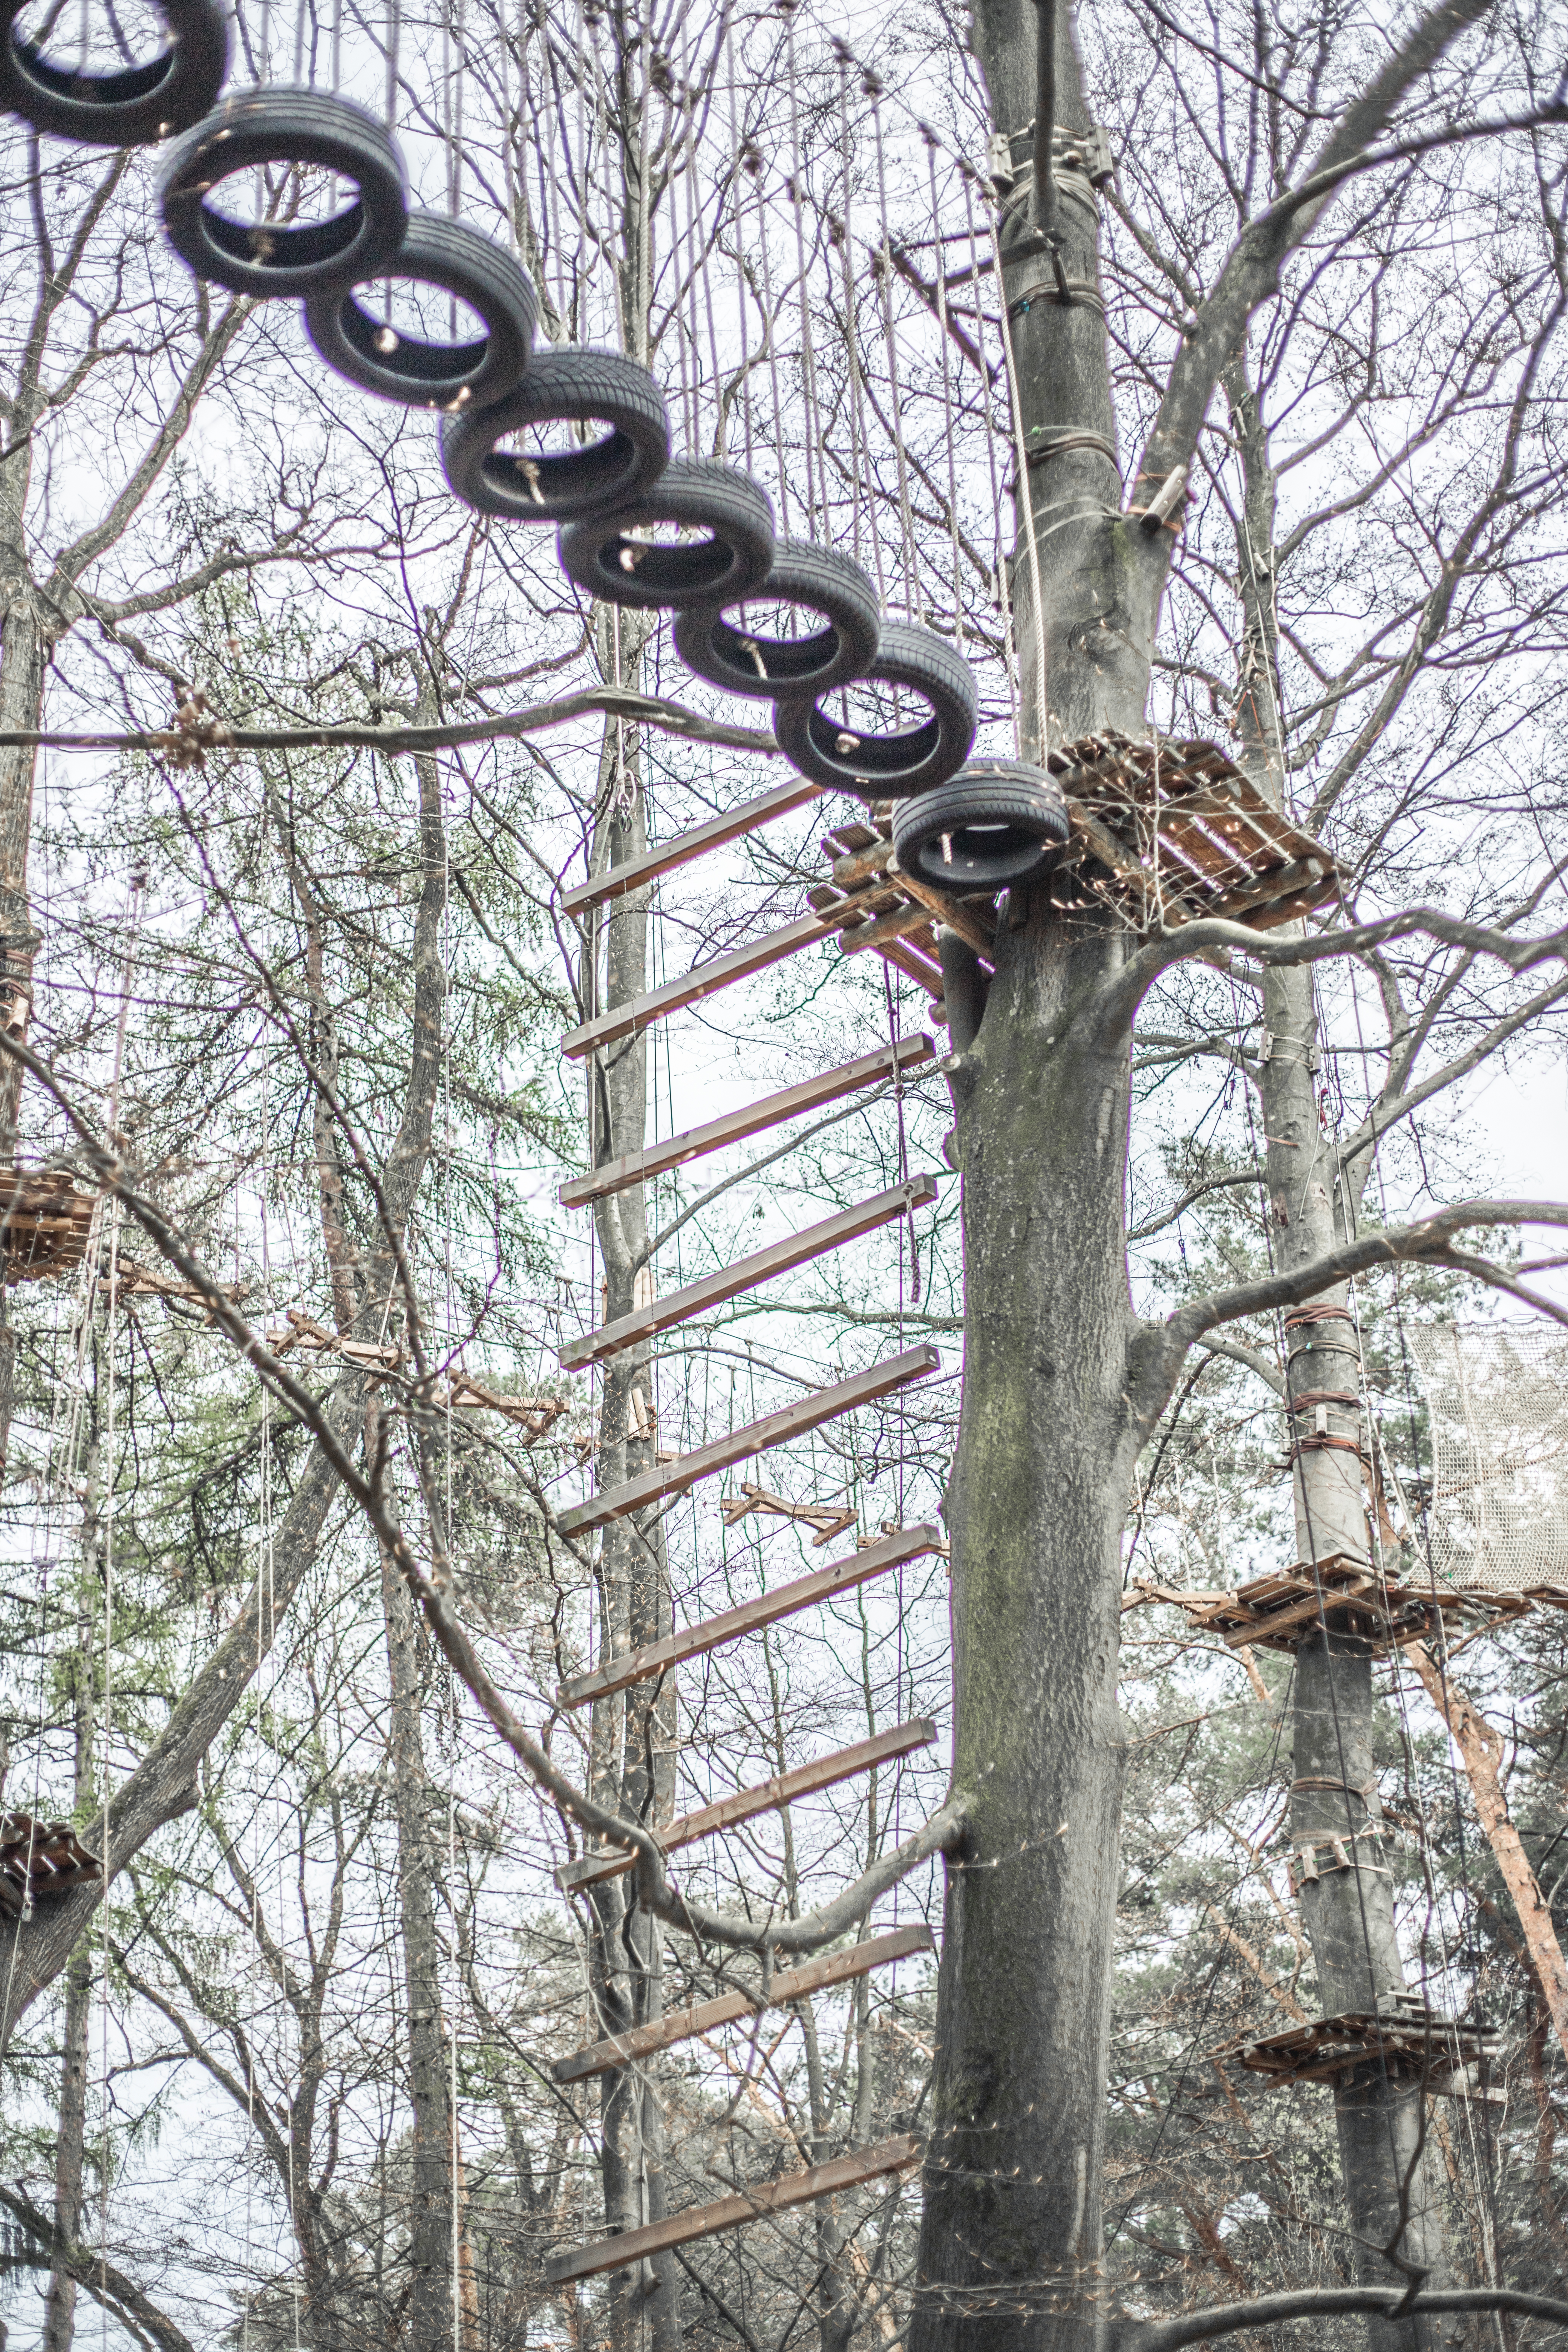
(1281,1611)
(753,2203)
(44,1222)
(40,1858)
(763,1797)
(786,1985)
(1173,831)
(1451,2057)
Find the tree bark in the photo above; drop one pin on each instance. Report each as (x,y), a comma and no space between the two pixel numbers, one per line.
(1390,2179)
(430,2302)
(634,1732)
(1060,1388)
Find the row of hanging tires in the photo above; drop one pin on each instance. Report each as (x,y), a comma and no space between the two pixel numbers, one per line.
(614,500)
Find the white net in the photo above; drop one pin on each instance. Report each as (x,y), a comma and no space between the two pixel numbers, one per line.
(1497,1397)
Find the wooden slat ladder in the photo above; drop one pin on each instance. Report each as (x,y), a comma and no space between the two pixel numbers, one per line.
(769,1110)
(703,980)
(705,2016)
(681,847)
(803,1592)
(747,1273)
(766,1797)
(768,2197)
(669,1478)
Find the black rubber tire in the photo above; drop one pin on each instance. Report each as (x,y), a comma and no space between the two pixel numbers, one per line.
(287,126)
(605,558)
(821,579)
(567,385)
(1003,822)
(889,767)
(131,106)
(435,251)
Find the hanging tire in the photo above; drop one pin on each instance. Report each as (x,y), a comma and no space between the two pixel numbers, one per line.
(379,358)
(998,823)
(130,106)
(567,385)
(713,642)
(610,557)
(308,260)
(911,760)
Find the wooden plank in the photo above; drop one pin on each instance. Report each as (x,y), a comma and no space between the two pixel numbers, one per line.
(767,1797)
(915,966)
(801,1592)
(705,979)
(633,2246)
(768,1110)
(747,1273)
(900,918)
(705,2016)
(679,850)
(756,1437)
(979,931)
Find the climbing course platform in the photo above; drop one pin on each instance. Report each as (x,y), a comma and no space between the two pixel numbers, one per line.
(1286,1608)
(1174,831)
(1448,2056)
(39,1858)
(44,1222)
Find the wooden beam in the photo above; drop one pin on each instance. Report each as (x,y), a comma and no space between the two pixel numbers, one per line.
(754,2204)
(766,1797)
(980,932)
(755,1437)
(768,1110)
(705,979)
(900,919)
(785,1601)
(705,2016)
(747,1273)
(665,856)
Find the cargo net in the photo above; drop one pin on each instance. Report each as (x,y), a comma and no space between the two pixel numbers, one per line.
(1498,1398)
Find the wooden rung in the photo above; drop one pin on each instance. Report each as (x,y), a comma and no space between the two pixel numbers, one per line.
(705,979)
(802,1592)
(665,856)
(704,2017)
(633,2246)
(767,1797)
(674,1478)
(747,1273)
(769,1110)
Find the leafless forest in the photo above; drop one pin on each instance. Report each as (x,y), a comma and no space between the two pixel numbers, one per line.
(1262,444)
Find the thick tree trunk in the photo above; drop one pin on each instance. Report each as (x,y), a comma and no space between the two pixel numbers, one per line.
(634,1732)
(1391,2181)
(1011,2244)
